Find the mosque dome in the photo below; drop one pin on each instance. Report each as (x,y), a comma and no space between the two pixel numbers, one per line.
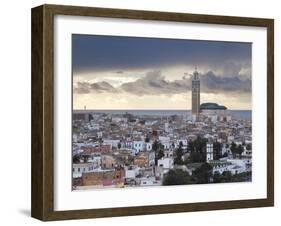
(212,106)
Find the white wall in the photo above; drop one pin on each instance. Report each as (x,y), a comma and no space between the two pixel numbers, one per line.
(15,110)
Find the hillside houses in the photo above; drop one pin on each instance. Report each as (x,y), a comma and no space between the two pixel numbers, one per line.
(126,150)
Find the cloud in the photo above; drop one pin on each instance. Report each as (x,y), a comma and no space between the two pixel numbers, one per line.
(235,69)
(231,69)
(211,83)
(97,87)
(154,83)
(117,53)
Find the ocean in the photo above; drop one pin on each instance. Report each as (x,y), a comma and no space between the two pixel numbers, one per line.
(236,114)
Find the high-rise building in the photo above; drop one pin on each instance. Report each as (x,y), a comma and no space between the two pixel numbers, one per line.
(195,95)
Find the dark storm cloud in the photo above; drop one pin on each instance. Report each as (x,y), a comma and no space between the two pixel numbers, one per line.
(210,83)
(153,83)
(94,52)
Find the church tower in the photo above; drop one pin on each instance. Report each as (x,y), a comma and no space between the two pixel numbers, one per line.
(195,95)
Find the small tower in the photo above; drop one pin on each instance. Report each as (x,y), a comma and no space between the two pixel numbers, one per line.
(209,151)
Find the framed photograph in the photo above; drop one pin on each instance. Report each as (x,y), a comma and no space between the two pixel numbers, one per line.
(141,112)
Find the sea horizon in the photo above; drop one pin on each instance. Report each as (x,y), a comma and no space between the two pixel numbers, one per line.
(239,114)
(149,109)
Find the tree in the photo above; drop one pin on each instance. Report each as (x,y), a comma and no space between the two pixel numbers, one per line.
(217,150)
(240,150)
(224,155)
(226,177)
(195,157)
(179,154)
(204,173)
(177,177)
(198,150)
(249,147)
(217,177)
(233,148)
(76,159)
(157,147)
(160,153)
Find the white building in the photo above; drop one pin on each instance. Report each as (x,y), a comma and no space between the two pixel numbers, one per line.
(93,126)
(131,172)
(247,153)
(220,168)
(150,123)
(233,166)
(149,181)
(165,141)
(245,164)
(99,134)
(111,142)
(95,159)
(183,141)
(166,164)
(118,119)
(127,144)
(166,127)
(214,118)
(230,139)
(228,118)
(224,149)
(209,152)
(169,153)
(151,158)
(74,138)
(148,146)
(237,169)
(138,145)
(79,168)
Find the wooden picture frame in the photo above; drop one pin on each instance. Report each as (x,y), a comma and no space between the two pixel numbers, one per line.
(42,203)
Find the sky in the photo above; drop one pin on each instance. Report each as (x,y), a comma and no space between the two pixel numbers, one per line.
(115,72)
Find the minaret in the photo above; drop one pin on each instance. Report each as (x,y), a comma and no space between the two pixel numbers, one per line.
(195,95)
(209,152)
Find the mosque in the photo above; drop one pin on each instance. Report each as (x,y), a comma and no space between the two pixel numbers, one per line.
(209,111)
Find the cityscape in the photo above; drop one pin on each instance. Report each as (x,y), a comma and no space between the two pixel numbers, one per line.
(207,143)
